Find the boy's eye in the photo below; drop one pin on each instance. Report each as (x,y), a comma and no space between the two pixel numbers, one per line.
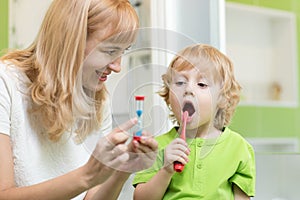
(202,85)
(180,83)
(125,50)
(112,52)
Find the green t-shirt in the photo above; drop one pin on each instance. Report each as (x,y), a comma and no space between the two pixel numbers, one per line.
(214,164)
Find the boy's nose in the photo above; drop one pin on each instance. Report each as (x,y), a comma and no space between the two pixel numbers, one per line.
(191,93)
(189,90)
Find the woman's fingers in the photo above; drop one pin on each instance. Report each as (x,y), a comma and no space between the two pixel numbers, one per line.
(119,134)
(114,152)
(119,155)
(126,126)
(111,150)
(146,144)
(142,154)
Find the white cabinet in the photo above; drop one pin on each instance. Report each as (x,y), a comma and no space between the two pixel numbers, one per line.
(262,44)
(25,18)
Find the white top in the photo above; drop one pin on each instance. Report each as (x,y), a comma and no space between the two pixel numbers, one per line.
(37,159)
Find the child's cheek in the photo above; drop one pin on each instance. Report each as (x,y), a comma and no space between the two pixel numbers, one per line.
(175,103)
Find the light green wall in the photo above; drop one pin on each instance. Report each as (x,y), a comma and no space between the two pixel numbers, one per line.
(3,24)
(270,121)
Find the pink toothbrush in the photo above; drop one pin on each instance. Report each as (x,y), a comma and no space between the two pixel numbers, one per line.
(178,166)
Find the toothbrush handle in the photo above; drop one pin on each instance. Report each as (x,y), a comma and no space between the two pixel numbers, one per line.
(178,166)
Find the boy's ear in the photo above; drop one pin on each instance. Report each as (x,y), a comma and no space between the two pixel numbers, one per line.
(169,105)
(222,101)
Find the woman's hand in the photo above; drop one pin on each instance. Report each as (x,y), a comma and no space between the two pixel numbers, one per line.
(177,150)
(110,153)
(142,154)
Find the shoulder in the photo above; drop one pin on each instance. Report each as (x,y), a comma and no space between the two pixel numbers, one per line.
(164,139)
(7,78)
(11,74)
(236,139)
(10,99)
(5,71)
(13,82)
(233,135)
(7,68)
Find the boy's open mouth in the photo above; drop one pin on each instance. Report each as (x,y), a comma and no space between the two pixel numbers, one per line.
(189,107)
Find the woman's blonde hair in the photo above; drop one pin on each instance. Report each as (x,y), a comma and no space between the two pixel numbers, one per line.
(192,56)
(54,60)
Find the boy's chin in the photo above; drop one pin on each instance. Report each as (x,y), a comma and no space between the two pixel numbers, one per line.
(189,119)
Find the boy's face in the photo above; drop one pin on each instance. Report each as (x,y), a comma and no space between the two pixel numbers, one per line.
(194,91)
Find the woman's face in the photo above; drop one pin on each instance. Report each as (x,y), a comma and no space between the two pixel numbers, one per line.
(103,56)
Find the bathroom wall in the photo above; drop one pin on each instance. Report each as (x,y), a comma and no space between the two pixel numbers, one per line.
(3,24)
(270,121)
(277,177)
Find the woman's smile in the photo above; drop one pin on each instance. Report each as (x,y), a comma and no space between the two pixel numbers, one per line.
(102,76)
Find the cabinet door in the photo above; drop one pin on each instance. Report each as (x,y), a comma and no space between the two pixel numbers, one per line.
(25,18)
(262,45)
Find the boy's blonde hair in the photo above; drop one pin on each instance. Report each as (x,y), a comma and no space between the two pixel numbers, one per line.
(191,57)
(53,61)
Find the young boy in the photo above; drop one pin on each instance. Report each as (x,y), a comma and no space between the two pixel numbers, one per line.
(219,163)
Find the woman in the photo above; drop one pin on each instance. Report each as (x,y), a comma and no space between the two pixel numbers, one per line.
(53,100)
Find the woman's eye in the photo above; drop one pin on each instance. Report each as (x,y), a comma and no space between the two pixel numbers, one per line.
(202,85)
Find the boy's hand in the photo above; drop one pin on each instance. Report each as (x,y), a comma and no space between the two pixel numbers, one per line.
(177,150)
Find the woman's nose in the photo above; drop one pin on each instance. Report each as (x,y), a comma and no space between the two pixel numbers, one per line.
(115,66)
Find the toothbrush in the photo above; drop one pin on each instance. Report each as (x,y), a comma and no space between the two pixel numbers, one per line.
(178,166)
